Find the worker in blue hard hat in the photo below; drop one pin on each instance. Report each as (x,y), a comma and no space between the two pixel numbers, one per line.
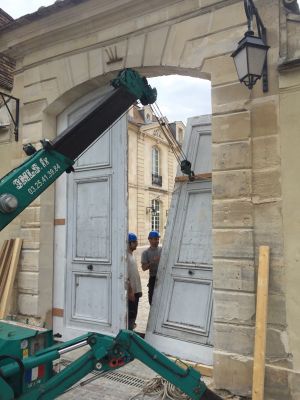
(150,260)
(134,281)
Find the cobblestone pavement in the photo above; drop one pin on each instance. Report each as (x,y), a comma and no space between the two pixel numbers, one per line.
(144,307)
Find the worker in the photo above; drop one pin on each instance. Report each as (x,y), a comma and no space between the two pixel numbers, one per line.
(150,260)
(134,281)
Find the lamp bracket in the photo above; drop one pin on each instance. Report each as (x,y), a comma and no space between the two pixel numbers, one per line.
(6,98)
(150,209)
(251,11)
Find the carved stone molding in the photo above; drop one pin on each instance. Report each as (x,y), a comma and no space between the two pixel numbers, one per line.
(112,54)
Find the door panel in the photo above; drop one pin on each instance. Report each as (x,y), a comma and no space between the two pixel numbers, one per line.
(181,310)
(195,239)
(91,295)
(94,157)
(180,320)
(93,218)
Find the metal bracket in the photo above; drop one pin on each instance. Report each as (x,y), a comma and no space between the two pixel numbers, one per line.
(251,11)
(6,99)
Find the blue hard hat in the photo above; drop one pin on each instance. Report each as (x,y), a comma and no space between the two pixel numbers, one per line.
(132,237)
(153,234)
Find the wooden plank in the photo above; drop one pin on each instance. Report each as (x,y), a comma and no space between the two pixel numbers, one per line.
(57,312)
(5,265)
(60,221)
(261,324)
(5,275)
(197,177)
(2,254)
(205,370)
(3,250)
(5,300)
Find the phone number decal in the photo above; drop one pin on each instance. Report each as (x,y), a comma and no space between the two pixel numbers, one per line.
(37,175)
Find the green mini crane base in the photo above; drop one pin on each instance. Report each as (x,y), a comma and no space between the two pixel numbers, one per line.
(105,354)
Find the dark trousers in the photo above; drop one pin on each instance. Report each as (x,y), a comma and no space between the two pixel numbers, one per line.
(151,284)
(133,310)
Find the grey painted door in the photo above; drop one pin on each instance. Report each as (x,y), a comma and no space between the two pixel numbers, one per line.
(92,283)
(180,322)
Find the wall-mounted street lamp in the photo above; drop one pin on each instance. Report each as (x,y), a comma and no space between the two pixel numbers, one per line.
(250,57)
(150,209)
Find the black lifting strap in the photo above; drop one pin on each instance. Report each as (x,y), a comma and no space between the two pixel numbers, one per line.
(19,362)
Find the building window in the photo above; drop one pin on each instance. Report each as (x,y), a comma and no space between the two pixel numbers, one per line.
(156,177)
(155,161)
(155,215)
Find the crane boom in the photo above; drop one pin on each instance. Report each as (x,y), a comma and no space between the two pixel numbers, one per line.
(24,184)
(105,353)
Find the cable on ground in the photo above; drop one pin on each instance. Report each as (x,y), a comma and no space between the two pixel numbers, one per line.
(160,388)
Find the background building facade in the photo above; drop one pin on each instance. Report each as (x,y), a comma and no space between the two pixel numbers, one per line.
(151,172)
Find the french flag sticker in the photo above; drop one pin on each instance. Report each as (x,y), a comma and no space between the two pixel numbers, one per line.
(34,373)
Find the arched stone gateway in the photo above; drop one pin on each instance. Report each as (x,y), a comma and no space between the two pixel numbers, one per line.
(66,51)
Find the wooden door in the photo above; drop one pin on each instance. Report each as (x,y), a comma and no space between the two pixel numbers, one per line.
(90,249)
(180,321)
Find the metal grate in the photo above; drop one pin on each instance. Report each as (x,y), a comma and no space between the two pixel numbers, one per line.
(124,378)
(115,376)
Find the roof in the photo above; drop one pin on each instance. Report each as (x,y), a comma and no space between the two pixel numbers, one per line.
(40,13)
(7,67)
(7,64)
(4,18)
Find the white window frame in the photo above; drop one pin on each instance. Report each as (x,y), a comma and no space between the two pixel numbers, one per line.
(155,161)
(155,216)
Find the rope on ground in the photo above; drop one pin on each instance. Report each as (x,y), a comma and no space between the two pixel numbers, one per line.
(162,389)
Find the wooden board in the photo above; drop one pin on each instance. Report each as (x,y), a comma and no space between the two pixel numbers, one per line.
(6,296)
(205,370)
(2,255)
(197,177)
(261,324)
(5,264)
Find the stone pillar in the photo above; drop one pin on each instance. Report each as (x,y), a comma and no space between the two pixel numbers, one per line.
(247,213)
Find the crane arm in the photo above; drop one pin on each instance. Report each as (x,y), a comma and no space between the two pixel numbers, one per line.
(105,354)
(24,184)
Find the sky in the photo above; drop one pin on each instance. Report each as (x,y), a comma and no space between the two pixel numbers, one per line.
(178,97)
(17,8)
(181,97)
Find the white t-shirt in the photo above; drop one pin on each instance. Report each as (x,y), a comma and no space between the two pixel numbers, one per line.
(133,274)
(151,256)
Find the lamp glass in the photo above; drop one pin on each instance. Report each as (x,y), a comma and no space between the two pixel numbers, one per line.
(241,63)
(256,60)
